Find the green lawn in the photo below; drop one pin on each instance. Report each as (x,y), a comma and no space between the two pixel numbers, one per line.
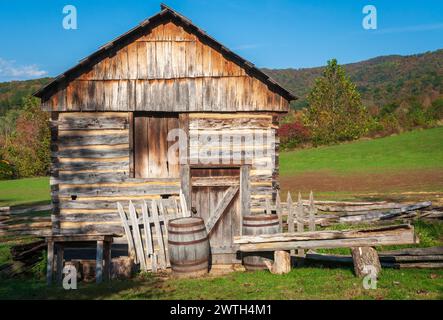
(300,283)
(421,149)
(24,191)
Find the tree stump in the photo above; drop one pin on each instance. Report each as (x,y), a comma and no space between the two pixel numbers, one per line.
(282,263)
(366,261)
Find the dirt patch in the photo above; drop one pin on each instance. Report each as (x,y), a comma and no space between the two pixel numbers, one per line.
(405,181)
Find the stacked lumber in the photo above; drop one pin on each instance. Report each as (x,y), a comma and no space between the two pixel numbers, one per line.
(24,258)
(419,258)
(388,235)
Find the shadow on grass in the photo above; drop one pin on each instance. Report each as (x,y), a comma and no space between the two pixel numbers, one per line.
(147,287)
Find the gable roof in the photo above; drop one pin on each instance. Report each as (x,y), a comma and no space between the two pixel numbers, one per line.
(165,13)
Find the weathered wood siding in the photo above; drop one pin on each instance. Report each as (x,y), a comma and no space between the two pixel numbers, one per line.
(90,172)
(167,69)
(263,179)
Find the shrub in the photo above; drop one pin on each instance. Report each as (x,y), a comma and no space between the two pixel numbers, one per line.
(293,134)
(6,170)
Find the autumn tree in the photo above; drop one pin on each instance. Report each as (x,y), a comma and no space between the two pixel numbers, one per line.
(335,111)
(28,147)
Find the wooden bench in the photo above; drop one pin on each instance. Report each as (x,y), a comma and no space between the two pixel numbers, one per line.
(59,242)
(362,243)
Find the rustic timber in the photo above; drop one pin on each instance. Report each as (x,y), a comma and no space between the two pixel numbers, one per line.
(389,235)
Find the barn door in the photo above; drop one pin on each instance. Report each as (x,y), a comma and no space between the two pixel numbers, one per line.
(215,197)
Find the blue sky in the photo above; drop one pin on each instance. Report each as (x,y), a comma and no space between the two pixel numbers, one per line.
(269,33)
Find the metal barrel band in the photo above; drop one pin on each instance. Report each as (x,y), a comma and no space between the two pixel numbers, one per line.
(187,243)
(261,225)
(189,263)
(260,218)
(186,225)
(186,232)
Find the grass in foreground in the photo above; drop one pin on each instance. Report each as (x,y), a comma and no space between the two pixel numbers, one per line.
(421,149)
(24,191)
(300,283)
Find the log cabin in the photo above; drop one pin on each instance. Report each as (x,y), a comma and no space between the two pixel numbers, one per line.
(162,108)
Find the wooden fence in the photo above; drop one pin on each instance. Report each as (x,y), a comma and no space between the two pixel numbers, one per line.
(146,230)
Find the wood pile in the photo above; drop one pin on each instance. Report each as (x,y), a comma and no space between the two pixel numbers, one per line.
(420,258)
(388,235)
(24,258)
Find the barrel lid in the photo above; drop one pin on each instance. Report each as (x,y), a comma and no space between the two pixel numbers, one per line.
(186,222)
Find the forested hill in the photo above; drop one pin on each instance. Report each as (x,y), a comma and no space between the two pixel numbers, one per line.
(380,81)
(12,93)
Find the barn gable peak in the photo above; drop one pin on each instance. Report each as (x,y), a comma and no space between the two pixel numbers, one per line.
(66,81)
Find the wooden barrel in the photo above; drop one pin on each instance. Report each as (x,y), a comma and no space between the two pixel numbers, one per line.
(257,225)
(188,247)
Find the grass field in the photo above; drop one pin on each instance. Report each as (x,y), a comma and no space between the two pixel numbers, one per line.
(408,163)
(411,163)
(422,149)
(24,191)
(300,283)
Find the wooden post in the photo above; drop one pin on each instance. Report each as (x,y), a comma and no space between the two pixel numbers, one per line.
(50,262)
(290,216)
(279,211)
(107,260)
(300,218)
(245,194)
(60,251)
(282,263)
(185,184)
(312,212)
(131,144)
(99,262)
(366,261)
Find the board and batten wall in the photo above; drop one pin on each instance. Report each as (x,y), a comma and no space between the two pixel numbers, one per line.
(91,171)
(166,69)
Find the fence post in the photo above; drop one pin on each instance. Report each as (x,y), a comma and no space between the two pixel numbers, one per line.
(278,211)
(290,216)
(300,218)
(312,212)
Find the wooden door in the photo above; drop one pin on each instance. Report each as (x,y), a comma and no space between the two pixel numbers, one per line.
(215,197)
(152,158)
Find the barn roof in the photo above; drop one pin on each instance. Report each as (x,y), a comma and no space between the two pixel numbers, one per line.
(165,13)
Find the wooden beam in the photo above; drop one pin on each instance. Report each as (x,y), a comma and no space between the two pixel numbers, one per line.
(391,235)
(221,208)
(245,193)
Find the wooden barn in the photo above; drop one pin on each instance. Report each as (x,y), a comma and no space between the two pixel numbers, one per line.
(132,122)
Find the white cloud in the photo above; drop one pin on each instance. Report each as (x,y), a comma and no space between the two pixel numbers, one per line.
(9,70)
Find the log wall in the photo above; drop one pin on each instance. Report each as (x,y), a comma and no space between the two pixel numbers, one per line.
(264,168)
(91,156)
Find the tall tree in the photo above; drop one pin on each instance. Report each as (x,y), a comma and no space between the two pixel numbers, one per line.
(335,111)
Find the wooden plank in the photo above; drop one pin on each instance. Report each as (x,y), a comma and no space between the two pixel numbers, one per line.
(131,144)
(148,236)
(162,253)
(185,183)
(278,210)
(131,246)
(391,235)
(137,238)
(245,193)
(413,252)
(221,208)
(300,217)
